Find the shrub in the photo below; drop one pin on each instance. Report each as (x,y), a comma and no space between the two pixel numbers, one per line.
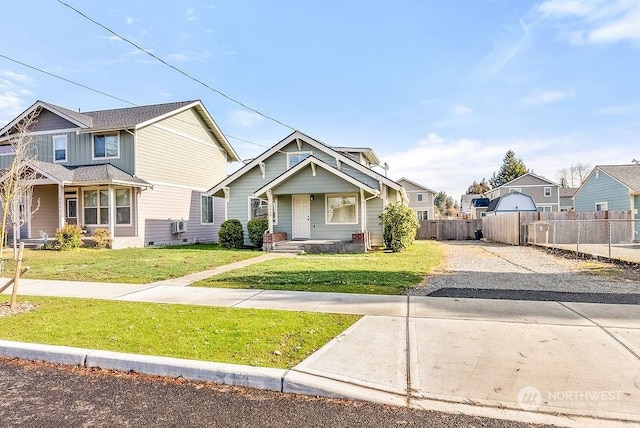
(399,226)
(68,237)
(256,228)
(102,238)
(231,234)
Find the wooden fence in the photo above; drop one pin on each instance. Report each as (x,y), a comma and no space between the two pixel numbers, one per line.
(448,230)
(503,228)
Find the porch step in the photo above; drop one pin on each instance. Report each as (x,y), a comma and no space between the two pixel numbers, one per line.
(288,247)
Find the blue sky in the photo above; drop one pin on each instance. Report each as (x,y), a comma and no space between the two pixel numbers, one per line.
(439,89)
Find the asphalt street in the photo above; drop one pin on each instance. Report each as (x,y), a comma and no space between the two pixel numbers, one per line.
(45,395)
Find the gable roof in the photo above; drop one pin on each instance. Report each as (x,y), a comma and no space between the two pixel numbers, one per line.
(315,161)
(313,142)
(629,175)
(539,177)
(84,175)
(127,118)
(568,192)
(366,151)
(416,184)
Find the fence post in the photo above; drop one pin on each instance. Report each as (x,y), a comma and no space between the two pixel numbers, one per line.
(578,238)
(554,234)
(609,222)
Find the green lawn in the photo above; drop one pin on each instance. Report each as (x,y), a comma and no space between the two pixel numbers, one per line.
(266,338)
(130,265)
(372,273)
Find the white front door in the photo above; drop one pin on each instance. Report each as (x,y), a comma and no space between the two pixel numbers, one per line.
(301,217)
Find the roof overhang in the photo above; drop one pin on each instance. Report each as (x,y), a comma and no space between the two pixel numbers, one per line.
(39,104)
(309,161)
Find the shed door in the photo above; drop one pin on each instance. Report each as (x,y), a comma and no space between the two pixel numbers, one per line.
(301,217)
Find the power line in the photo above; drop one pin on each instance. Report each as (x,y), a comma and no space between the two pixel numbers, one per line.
(176,68)
(111,96)
(65,79)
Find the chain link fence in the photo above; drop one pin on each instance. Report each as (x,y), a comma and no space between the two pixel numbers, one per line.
(614,239)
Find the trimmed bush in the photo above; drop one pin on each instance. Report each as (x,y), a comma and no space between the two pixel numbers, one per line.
(68,237)
(231,234)
(399,226)
(256,228)
(102,238)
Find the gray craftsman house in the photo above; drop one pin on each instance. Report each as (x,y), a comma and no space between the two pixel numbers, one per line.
(310,191)
(140,172)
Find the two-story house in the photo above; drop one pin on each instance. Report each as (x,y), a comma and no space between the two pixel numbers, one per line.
(310,191)
(544,192)
(140,172)
(420,198)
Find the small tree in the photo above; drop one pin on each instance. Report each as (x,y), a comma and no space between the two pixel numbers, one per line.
(16,188)
(478,188)
(231,234)
(399,226)
(256,228)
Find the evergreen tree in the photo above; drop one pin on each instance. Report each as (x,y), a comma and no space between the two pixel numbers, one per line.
(511,169)
(478,188)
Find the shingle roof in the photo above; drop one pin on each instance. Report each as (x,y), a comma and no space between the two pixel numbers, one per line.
(77,116)
(95,174)
(568,192)
(629,175)
(131,116)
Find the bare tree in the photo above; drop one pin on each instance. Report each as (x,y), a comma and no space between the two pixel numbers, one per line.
(574,175)
(16,183)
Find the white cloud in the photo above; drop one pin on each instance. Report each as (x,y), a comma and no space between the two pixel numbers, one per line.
(461,110)
(545,97)
(244,118)
(10,75)
(594,21)
(191,15)
(504,51)
(177,57)
(129,20)
(112,38)
(619,109)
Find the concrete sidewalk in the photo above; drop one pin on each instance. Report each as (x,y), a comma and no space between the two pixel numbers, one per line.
(570,364)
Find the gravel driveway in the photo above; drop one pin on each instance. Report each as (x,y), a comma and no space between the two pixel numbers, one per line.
(488,270)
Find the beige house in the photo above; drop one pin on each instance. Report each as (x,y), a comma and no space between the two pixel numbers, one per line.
(140,172)
(545,193)
(420,198)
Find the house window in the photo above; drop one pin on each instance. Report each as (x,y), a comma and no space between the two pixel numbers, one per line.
(7,150)
(342,209)
(602,206)
(59,148)
(515,189)
(544,208)
(547,191)
(422,215)
(206,209)
(259,208)
(72,208)
(106,146)
(96,207)
(123,206)
(294,159)
(422,197)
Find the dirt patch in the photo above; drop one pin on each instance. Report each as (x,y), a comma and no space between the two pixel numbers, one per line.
(20,308)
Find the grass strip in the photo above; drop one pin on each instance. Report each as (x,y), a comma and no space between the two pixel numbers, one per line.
(371,273)
(266,338)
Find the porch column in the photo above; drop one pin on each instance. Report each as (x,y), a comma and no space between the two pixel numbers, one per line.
(363,212)
(61,207)
(270,210)
(112,211)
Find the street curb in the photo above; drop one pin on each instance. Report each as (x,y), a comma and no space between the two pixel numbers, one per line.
(50,353)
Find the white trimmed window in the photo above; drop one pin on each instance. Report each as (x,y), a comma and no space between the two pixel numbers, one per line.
(123,206)
(295,158)
(515,189)
(544,208)
(547,191)
(602,206)
(259,208)
(7,150)
(422,215)
(342,209)
(96,207)
(423,197)
(206,209)
(106,146)
(59,148)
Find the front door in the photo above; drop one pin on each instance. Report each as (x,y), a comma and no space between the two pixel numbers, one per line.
(301,217)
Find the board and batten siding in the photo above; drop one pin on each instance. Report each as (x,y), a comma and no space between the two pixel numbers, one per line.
(180,150)
(602,189)
(175,204)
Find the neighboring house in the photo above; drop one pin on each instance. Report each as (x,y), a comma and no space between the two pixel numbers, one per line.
(479,207)
(140,172)
(466,204)
(511,202)
(566,198)
(544,192)
(610,188)
(311,191)
(420,198)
